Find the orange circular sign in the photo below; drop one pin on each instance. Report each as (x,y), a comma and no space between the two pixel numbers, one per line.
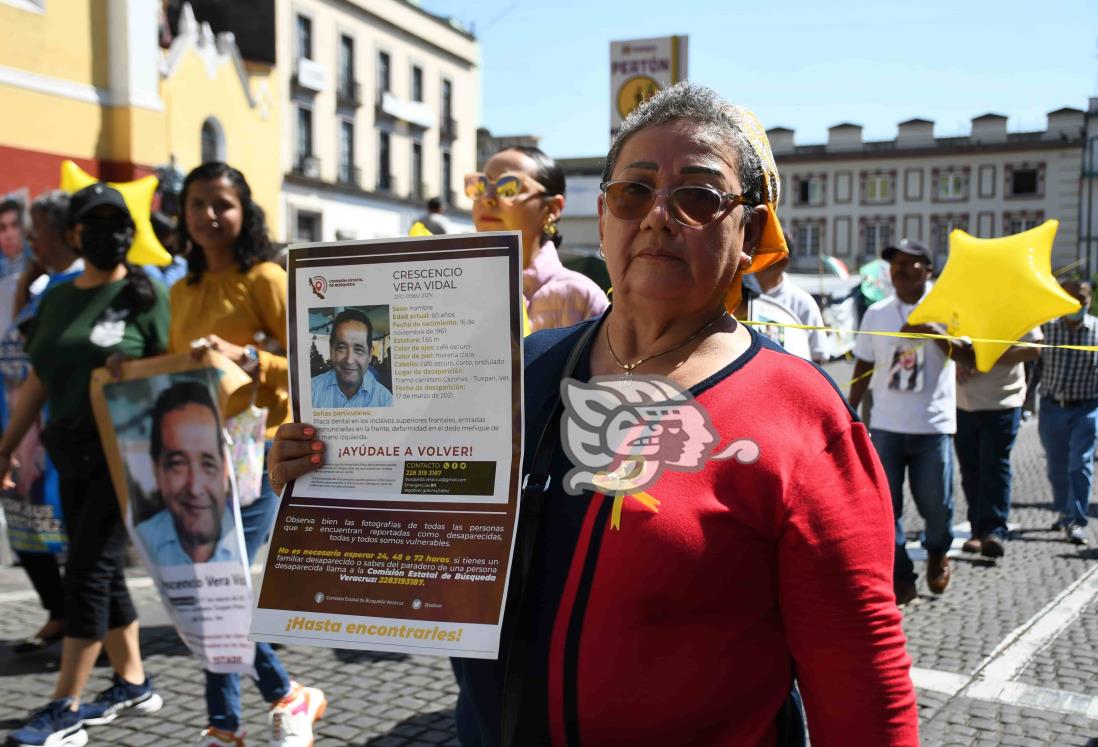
(634,91)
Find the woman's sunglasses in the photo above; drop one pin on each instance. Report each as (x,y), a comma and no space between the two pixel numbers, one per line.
(507,187)
(692,206)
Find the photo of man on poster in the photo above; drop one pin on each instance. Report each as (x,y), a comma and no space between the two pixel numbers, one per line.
(187,447)
(350,381)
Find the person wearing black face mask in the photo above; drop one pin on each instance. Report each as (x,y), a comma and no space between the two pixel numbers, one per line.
(106,236)
(110,311)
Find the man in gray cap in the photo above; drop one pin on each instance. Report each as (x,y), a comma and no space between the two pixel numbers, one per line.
(914,414)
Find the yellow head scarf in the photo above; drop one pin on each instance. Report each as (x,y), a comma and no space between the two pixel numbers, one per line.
(772,245)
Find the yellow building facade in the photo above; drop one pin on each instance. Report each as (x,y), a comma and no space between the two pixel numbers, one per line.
(216,101)
(89,81)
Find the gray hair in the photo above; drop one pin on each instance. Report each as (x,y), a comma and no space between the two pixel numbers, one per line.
(718,120)
(53,206)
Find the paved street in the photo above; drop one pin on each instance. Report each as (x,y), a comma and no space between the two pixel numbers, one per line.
(1008,656)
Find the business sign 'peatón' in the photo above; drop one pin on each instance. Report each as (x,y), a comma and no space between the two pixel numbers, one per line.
(641,67)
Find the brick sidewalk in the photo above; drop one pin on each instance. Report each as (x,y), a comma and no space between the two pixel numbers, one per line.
(389,699)
(375,699)
(987,601)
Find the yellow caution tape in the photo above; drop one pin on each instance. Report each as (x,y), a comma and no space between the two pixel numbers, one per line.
(924,336)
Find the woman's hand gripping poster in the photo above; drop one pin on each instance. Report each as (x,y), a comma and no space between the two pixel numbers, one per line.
(406,356)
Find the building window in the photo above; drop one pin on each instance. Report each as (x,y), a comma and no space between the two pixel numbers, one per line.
(347,152)
(304,135)
(384,170)
(876,235)
(417,171)
(448,125)
(987,180)
(913,185)
(913,227)
(1025,180)
(1024,183)
(808,237)
(447,174)
(384,73)
(417,83)
(843,186)
(950,185)
(347,67)
(809,190)
(213,141)
(1022,221)
(307,226)
(940,228)
(985,224)
(304,37)
(841,244)
(878,188)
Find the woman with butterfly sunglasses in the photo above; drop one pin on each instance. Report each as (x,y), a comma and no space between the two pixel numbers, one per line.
(521,188)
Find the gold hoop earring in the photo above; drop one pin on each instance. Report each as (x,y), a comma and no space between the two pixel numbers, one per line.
(601,252)
(549,228)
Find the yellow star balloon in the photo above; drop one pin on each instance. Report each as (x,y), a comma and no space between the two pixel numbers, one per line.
(996,290)
(138,194)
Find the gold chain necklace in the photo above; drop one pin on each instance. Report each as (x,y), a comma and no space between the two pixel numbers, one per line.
(628,367)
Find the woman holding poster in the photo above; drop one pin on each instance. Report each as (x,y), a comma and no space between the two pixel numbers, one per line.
(522,189)
(707,529)
(110,310)
(233,301)
(35,526)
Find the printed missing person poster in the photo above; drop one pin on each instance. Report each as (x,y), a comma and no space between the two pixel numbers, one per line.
(406,354)
(163,433)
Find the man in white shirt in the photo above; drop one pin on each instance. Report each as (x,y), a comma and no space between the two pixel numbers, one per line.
(773,283)
(773,319)
(914,413)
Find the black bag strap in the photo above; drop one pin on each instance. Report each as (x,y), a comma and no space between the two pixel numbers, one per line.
(535,486)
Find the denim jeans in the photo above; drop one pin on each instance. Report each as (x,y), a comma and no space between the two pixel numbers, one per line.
(984,442)
(223,690)
(927,459)
(1070,435)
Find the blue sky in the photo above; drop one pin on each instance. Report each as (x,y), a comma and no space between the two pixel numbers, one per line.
(798,63)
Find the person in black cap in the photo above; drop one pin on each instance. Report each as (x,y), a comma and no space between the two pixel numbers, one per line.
(434,220)
(109,312)
(914,413)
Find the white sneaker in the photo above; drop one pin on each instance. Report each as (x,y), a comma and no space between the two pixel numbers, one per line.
(292,718)
(213,737)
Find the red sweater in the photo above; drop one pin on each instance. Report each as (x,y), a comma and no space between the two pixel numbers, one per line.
(686,625)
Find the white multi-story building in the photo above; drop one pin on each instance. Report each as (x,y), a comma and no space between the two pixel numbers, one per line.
(380,114)
(850,198)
